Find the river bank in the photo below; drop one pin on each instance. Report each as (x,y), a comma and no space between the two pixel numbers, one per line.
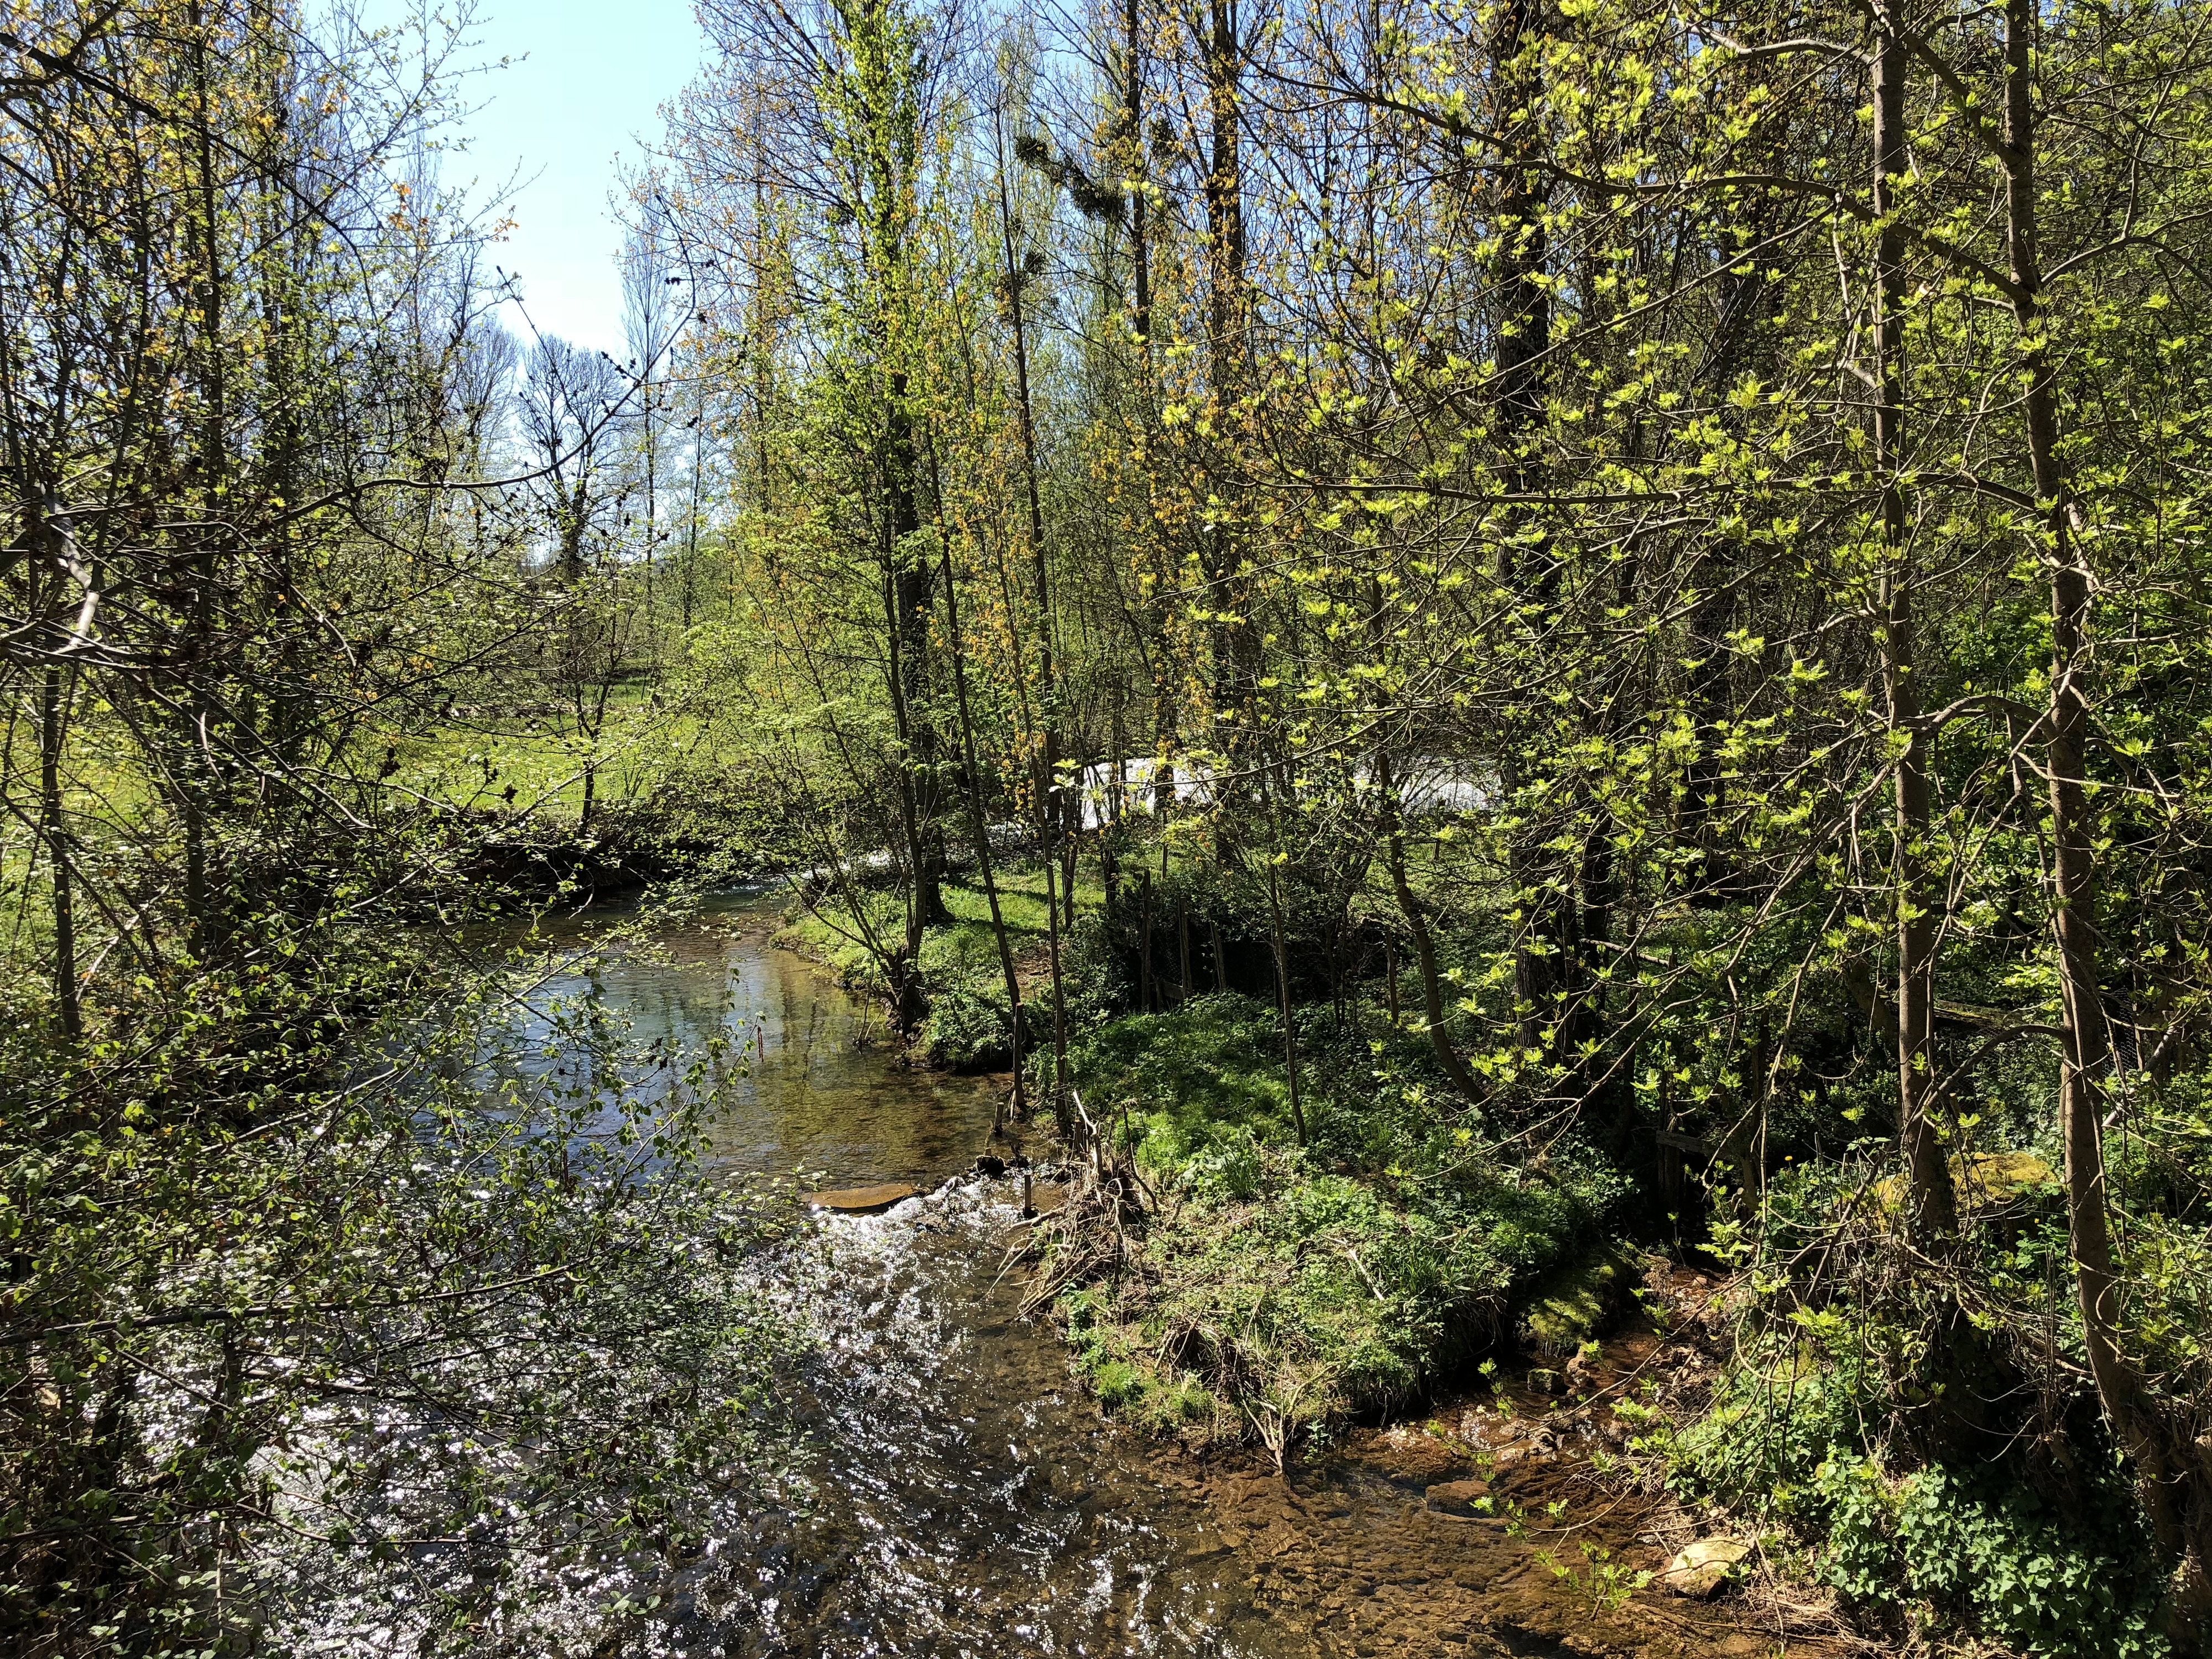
(1511,1520)
(1365,1549)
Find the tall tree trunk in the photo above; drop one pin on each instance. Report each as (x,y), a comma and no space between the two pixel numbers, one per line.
(1524,331)
(981,818)
(906,986)
(1146,1001)
(1236,635)
(213,469)
(53,727)
(763,357)
(1745,288)
(2180,1511)
(909,580)
(1153,607)
(1051,805)
(891,166)
(1933,1203)
(1133,119)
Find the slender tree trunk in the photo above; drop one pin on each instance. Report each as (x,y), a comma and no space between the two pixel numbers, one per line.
(1049,803)
(1236,633)
(1063,1112)
(1283,1000)
(1071,849)
(688,593)
(1524,334)
(1581,1024)
(910,581)
(53,725)
(1182,943)
(199,768)
(1153,608)
(1934,1206)
(906,990)
(1524,295)
(1146,1000)
(1745,289)
(762,351)
(652,520)
(1133,115)
(981,821)
(1424,947)
(2175,1498)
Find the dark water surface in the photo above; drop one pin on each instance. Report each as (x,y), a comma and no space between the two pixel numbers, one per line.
(961,1498)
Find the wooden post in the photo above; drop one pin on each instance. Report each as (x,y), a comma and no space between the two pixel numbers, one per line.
(1182,927)
(1144,952)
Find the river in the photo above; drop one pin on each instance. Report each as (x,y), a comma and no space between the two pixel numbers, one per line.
(958,1495)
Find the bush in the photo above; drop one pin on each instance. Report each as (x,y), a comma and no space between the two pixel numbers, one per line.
(1773,1422)
(968,1030)
(1985,1550)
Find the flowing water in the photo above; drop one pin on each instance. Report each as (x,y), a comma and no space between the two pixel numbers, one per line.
(960,1496)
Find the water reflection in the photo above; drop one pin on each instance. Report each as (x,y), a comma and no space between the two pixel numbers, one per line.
(821,1091)
(960,1496)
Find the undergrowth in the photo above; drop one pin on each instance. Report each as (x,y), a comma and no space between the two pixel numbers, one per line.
(1903,1434)
(1273,1289)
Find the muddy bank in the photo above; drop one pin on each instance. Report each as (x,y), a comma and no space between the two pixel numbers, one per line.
(1360,1553)
(967,1499)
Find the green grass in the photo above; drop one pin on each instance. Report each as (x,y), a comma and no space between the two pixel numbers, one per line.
(962,951)
(543,756)
(1292,1287)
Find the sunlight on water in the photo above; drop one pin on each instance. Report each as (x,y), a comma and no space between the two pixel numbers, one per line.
(957,1496)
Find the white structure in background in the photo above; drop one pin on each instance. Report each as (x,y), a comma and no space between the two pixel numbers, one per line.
(1139,783)
(1427,785)
(1433,784)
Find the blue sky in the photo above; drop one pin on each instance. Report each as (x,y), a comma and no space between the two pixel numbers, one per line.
(580,98)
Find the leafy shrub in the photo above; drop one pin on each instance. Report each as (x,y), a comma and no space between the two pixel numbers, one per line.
(1989,1552)
(1788,1438)
(1228,1168)
(968,1030)
(1773,1422)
